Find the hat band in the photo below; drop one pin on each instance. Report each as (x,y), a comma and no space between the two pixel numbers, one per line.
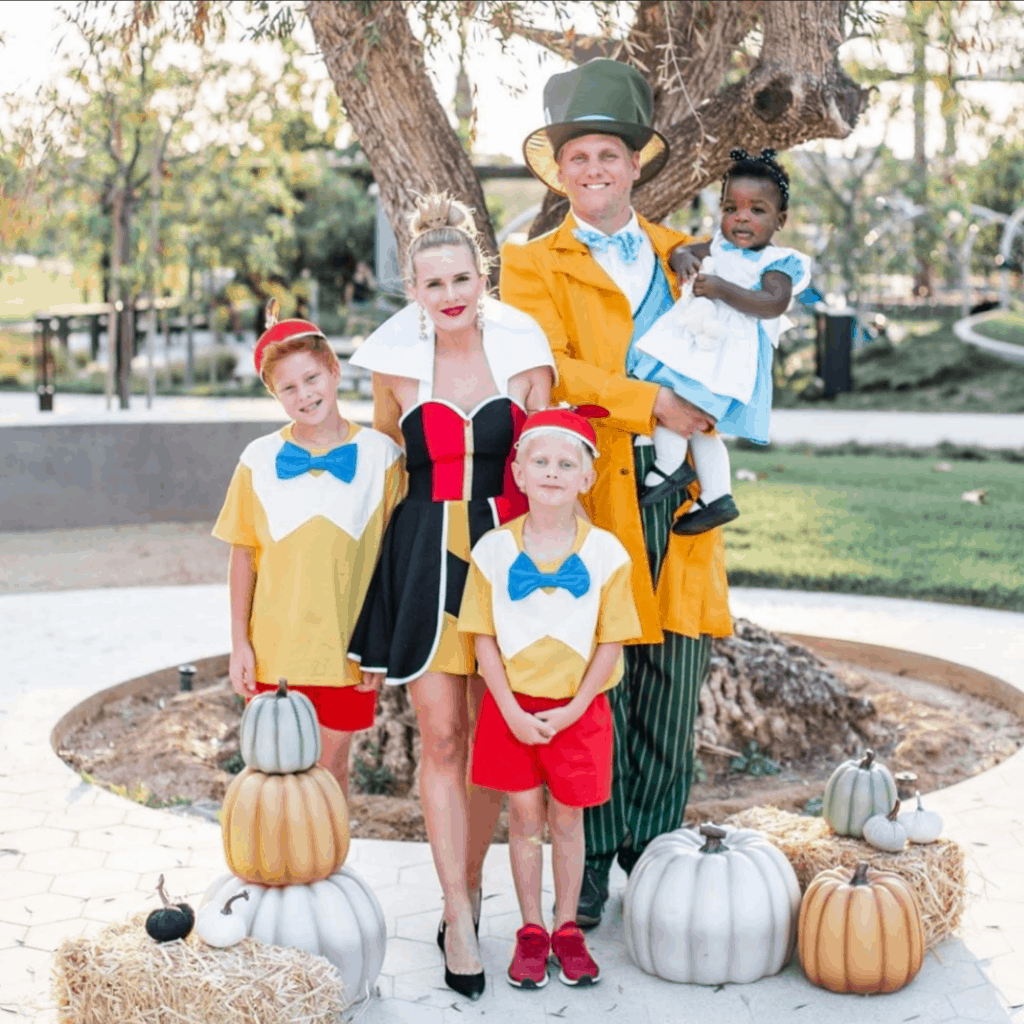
(595,117)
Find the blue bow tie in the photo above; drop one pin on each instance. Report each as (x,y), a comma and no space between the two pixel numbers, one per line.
(524,577)
(627,242)
(747,254)
(293,461)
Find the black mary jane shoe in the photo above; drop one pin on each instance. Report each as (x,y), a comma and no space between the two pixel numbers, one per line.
(670,484)
(706,517)
(443,926)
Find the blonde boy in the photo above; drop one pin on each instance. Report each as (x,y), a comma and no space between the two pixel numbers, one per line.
(549,602)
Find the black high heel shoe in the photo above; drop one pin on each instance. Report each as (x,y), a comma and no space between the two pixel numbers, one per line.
(471,986)
(443,926)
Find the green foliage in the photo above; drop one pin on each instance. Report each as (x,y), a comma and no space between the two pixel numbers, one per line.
(880,524)
(931,370)
(754,762)
(233,764)
(698,773)
(812,809)
(369,776)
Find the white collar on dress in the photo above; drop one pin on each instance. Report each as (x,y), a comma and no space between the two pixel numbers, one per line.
(513,342)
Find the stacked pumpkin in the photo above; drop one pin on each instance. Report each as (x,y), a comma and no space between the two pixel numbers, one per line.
(286,835)
(863,933)
(722,904)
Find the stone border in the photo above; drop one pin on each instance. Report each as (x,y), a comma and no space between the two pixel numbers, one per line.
(207,671)
(964,330)
(894,660)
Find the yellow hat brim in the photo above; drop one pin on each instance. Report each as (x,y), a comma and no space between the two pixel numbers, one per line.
(539,153)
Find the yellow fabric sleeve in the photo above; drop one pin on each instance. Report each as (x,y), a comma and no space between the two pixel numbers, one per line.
(476,614)
(525,285)
(236,522)
(394,487)
(618,619)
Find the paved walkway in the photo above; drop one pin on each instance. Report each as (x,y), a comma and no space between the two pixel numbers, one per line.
(789,426)
(73,857)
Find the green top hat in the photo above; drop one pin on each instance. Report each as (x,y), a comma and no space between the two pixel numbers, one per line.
(601,97)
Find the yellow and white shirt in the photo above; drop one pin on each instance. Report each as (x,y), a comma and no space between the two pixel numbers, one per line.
(315,542)
(548,638)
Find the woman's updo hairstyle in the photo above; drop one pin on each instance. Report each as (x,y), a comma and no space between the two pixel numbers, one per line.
(439,220)
(764,166)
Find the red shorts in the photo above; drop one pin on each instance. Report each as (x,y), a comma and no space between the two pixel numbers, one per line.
(341,708)
(576,764)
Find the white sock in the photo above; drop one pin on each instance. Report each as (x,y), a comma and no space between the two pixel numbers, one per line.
(669,454)
(711,460)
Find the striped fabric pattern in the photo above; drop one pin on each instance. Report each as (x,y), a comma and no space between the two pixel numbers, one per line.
(653,709)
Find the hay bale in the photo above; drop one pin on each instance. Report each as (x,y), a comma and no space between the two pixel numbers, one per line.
(123,977)
(935,872)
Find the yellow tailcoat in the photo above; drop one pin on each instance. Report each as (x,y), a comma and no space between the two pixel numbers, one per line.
(589,323)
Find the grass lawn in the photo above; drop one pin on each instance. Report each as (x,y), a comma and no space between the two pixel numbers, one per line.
(878,524)
(1007,327)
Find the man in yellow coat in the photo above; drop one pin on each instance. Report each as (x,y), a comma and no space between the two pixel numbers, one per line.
(595,284)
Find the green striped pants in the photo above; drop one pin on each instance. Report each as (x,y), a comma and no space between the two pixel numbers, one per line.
(654,709)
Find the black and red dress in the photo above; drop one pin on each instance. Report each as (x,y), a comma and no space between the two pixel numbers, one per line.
(460,486)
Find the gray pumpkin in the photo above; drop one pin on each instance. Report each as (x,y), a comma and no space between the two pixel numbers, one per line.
(857,790)
(279,734)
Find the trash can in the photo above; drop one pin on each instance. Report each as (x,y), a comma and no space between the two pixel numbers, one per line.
(45,393)
(833,345)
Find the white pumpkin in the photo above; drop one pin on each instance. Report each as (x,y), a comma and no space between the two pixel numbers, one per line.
(922,826)
(221,926)
(338,917)
(715,906)
(857,790)
(884,831)
(280,734)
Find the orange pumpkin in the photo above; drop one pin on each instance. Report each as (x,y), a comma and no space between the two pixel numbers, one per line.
(284,829)
(860,934)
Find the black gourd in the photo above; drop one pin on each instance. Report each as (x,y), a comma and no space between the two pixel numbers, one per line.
(172,920)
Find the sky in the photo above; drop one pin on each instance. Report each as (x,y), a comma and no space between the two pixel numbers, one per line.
(509,87)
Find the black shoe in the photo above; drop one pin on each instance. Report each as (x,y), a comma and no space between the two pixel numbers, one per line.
(593,895)
(675,481)
(627,858)
(443,926)
(469,985)
(706,517)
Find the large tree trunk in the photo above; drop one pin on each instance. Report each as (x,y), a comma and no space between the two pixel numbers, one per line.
(378,70)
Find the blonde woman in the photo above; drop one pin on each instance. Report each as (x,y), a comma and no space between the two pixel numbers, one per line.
(454,375)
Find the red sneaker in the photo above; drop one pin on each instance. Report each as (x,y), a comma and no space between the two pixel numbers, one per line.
(529,967)
(570,950)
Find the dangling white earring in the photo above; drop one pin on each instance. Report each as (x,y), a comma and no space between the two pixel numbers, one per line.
(480,315)
(423,325)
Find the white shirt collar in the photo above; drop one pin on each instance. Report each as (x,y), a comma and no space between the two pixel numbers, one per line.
(631,225)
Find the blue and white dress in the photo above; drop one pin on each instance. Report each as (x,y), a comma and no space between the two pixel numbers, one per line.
(729,374)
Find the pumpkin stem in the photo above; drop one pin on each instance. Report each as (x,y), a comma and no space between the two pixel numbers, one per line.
(243,895)
(282,688)
(869,756)
(917,793)
(894,813)
(714,836)
(860,876)
(162,891)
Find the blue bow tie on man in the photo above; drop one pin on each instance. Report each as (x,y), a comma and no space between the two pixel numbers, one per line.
(626,242)
(524,577)
(293,461)
(747,254)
